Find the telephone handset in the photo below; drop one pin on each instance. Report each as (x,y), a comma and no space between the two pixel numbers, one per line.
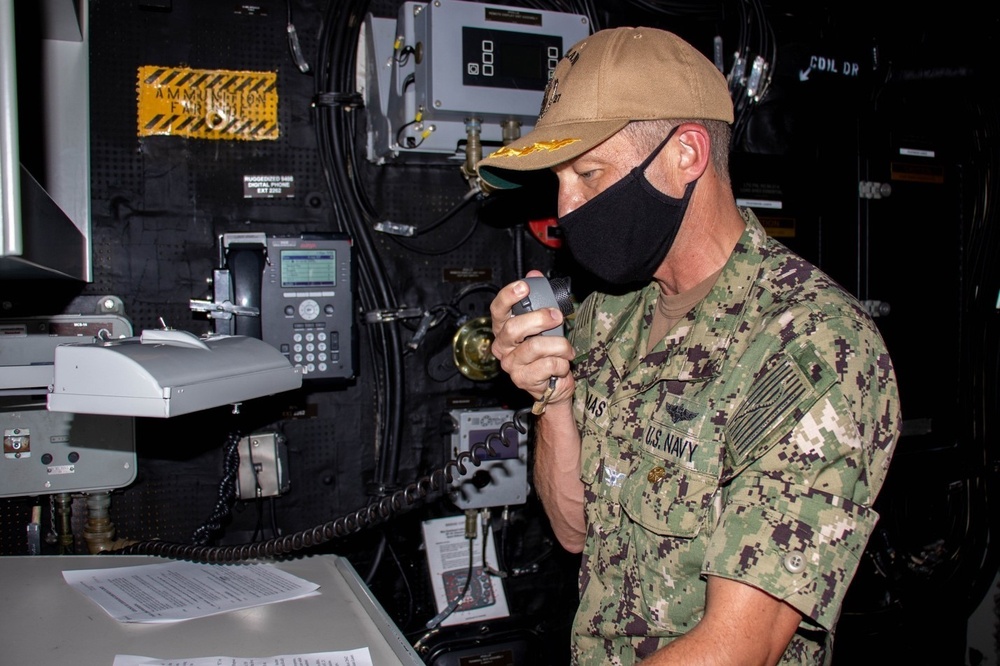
(246,264)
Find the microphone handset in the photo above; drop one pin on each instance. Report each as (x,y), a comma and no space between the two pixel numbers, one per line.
(545,293)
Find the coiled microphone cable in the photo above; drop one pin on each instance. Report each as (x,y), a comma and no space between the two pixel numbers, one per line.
(371,515)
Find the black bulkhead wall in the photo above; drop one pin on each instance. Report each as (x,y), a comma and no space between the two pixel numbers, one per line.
(161,201)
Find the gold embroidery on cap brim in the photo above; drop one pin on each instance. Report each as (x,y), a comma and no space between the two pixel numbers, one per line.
(555,144)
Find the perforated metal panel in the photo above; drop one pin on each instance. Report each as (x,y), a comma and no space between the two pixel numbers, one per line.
(159,205)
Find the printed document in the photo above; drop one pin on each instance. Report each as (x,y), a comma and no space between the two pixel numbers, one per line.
(177,590)
(448,558)
(360,657)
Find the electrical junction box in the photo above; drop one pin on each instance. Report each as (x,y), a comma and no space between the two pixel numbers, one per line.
(441,66)
(498,481)
(263,466)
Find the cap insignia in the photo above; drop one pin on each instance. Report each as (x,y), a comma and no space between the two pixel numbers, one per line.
(538,146)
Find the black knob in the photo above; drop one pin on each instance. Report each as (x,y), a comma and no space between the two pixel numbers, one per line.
(481,479)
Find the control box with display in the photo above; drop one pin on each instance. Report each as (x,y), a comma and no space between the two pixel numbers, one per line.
(443,65)
(307,303)
(506,59)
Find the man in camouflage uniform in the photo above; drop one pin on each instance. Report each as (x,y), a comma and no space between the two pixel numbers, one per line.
(713,434)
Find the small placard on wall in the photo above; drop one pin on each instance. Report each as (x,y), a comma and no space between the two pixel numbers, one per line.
(268,187)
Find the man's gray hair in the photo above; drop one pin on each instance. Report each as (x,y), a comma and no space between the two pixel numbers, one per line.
(647,134)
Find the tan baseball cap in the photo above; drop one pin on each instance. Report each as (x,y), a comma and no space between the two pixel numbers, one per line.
(602,83)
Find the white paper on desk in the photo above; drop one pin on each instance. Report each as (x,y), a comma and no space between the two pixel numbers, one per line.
(448,562)
(359,657)
(179,590)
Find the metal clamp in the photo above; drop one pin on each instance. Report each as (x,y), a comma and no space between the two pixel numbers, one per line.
(386,316)
(224,310)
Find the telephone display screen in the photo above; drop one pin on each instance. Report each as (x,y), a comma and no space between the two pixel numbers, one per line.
(309,268)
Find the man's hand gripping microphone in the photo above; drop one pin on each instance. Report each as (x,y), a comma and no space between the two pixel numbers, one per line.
(544,293)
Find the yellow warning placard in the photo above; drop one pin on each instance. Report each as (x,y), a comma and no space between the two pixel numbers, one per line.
(207,103)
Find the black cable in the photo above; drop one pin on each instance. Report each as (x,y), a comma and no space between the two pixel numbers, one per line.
(385,545)
(403,57)
(756,40)
(467,198)
(981,341)
(502,541)
(406,583)
(258,529)
(354,213)
(518,242)
(453,605)
(374,513)
(434,376)
(399,137)
(258,504)
(294,48)
(377,560)
(437,314)
(499,571)
(271,505)
(226,495)
(473,288)
(438,252)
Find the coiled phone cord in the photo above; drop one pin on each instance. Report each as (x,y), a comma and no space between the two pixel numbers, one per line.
(373,514)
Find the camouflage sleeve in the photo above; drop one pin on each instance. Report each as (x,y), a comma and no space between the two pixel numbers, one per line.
(807,452)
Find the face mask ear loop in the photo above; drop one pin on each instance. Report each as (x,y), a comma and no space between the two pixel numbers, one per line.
(640,174)
(641,169)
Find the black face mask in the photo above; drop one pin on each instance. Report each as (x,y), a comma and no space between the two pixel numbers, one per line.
(623,234)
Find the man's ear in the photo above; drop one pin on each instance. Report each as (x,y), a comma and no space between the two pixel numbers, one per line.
(694,150)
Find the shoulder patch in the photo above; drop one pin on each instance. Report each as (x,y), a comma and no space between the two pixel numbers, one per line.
(784,390)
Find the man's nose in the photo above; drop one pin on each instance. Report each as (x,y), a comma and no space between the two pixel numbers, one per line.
(567,201)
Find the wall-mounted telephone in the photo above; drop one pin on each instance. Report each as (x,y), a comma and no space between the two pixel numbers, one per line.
(294,292)
(307,309)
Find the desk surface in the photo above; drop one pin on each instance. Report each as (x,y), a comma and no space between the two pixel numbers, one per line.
(45,621)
